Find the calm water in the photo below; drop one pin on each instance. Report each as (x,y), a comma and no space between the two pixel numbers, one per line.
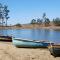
(36,34)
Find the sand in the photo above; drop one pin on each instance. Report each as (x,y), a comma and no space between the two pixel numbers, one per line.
(9,52)
(31,26)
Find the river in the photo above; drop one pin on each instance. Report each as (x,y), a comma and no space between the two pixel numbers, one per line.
(35,34)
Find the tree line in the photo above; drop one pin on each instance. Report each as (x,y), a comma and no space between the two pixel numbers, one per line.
(46,21)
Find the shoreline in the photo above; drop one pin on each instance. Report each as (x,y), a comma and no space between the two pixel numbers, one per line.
(9,52)
(31,27)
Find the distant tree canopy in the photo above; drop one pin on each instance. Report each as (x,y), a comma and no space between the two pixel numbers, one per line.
(47,22)
(44,17)
(33,21)
(18,25)
(36,21)
(4,14)
(56,21)
(39,21)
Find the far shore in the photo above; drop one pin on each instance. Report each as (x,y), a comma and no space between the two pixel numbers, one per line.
(30,26)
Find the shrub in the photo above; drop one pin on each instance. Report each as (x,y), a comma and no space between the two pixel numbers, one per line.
(56,22)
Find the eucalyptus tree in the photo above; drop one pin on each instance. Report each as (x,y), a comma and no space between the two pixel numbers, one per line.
(6,11)
(0,11)
(33,22)
(44,17)
(1,14)
(56,21)
(39,21)
(47,22)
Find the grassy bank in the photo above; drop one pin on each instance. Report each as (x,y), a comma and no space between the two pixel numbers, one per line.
(30,26)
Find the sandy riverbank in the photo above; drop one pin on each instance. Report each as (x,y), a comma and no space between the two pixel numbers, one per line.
(30,26)
(10,52)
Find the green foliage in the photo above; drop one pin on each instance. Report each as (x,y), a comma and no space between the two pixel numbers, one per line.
(56,22)
(33,21)
(1,11)
(39,21)
(4,13)
(18,25)
(47,21)
(44,15)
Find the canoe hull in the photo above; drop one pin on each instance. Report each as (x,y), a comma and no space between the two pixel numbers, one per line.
(55,50)
(6,38)
(20,43)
